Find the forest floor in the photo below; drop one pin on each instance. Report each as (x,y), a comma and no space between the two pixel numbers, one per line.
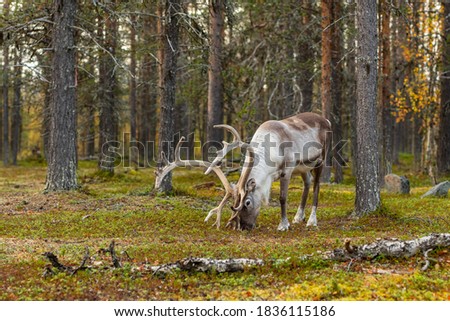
(156,229)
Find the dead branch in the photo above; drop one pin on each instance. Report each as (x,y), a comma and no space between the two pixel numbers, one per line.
(115,259)
(63,268)
(111,250)
(83,263)
(55,262)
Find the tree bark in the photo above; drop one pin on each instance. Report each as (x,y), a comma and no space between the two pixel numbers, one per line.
(367,171)
(169,30)
(62,166)
(215,80)
(443,148)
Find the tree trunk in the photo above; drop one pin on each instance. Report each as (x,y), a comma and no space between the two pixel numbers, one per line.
(443,148)
(336,89)
(108,113)
(215,80)
(350,89)
(62,166)
(399,68)
(147,119)
(367,171)
(16,121)
(305,58)
(169,11)
(5,89)
(326,8)
(133,92)
(385,113)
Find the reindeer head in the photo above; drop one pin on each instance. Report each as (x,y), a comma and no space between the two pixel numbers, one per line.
(246,208)
(247,203)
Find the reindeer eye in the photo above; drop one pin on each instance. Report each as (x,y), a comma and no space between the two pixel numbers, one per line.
(248,203)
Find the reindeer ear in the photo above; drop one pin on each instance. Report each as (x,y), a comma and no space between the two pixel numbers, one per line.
(250,186)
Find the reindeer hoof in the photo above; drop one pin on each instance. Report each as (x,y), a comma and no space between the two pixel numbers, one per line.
(284,226)
(311,225)
(298,220)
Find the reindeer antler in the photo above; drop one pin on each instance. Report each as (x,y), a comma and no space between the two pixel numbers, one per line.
(178,162)
(227,147)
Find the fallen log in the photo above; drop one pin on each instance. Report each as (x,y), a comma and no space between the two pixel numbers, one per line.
(389,248)
(201,264)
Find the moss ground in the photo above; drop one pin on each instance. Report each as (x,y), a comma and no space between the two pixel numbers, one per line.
(159,229)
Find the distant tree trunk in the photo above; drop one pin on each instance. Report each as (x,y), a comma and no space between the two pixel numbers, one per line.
(88,113)
(44,62)
(5,89)
(336,88)
(169,11)
(367,171)
(62,165)
(108,113)
(326,8)
(305,58)
(133,93)
(385,113)
(90,144)
(350,87)
(399,68)
(443,148)
(215,79)
(351,100)
(16,121)
(147,119)
(416,125)
(133,90)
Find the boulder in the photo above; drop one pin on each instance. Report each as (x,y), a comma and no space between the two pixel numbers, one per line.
(396,184)
(440,190)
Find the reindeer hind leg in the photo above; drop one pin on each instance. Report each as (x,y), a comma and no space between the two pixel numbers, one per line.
(300,216)
(312,221)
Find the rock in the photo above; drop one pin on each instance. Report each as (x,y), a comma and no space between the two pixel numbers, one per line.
(396,184)
(440,189)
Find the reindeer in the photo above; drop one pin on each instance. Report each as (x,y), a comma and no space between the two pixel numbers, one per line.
(276,149)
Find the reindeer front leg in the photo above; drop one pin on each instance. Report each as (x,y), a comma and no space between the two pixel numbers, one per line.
(284,185)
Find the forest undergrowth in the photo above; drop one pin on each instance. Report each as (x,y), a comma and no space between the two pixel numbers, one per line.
(157,229)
